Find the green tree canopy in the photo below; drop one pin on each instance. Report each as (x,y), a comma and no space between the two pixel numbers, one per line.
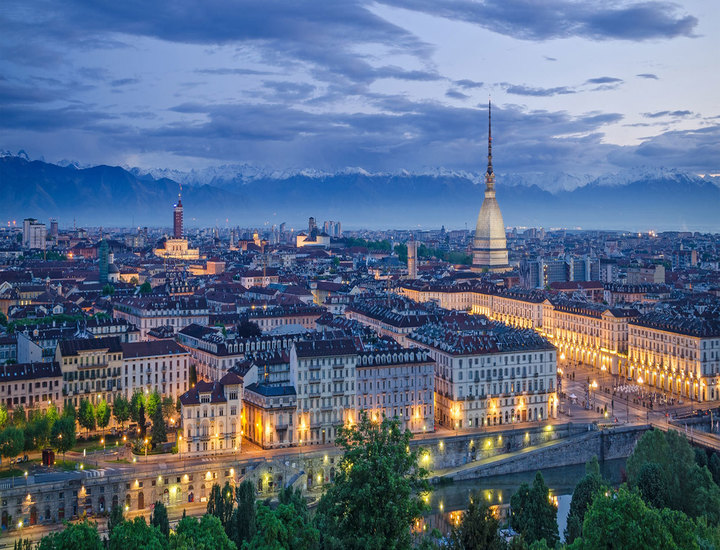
(206,534)
(102,413)
(116,518)
(121,410)
(145,288)
(37,431)
(168,407)
(623,520)
(376,496)
(220,503)
(69,411)
(12,441)
(159,519)
(533,514)
(4,417)
(75,536)
(152,403)
(688,487)
(284,528)
(242,522)
(62,435)
(136,400)
(18,416)
(478,528)
(585,491)
(137,535)
(159,433)
(86,415)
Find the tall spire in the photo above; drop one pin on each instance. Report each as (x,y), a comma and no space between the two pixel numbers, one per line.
(489,175)
(180,195)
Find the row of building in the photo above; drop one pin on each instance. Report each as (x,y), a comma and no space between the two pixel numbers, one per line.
(676,349)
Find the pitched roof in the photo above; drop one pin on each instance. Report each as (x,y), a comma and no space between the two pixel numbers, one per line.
(72,347)
(152,348)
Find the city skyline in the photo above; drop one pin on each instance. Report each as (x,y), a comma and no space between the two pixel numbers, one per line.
(385,86)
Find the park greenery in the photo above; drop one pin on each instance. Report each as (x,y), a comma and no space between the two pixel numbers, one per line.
(35,430)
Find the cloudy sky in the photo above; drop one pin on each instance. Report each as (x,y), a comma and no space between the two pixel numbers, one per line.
(577,86)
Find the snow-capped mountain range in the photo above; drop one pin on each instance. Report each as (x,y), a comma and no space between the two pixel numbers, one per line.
(249,196)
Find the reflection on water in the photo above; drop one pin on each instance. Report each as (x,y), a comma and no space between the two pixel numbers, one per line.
(448,502)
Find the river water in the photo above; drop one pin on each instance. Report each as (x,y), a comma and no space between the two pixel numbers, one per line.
(448,501)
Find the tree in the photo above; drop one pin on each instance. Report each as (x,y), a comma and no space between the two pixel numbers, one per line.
(248,329)
(714,467)
(242,522)
(74,537)
(220,503)
(701,458)
(688,487)
(69,411)
(12,441)
(145,288)
(108,290)
(478,529)
(23,544)
(159,434)
(152,403)
(159,519)
(533,514)
(52,415)
(62,435)
(18,416)
(623,520)
(585,491)
(121,410)
(286,527)
(377,494)
(86,415)
(192,375)
(136,400)
(141,420)
(102,413)
(206,534)
(136,534)
(116,518)
(37,430)
(651,485)
(168,407)
(4,417)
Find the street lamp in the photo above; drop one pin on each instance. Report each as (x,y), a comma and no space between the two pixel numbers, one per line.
(179,446)
(146,448)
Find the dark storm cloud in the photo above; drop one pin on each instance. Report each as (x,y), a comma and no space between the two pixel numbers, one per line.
(324,34)
(697,150)
(21,117)
(532,20)
(465,83)
(537,92)
(124,81)
(659,114)
(649,76)
(603,80)
(223,71)
(289,90)
(455,94)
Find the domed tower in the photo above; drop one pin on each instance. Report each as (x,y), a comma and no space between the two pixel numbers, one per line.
(490,246)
